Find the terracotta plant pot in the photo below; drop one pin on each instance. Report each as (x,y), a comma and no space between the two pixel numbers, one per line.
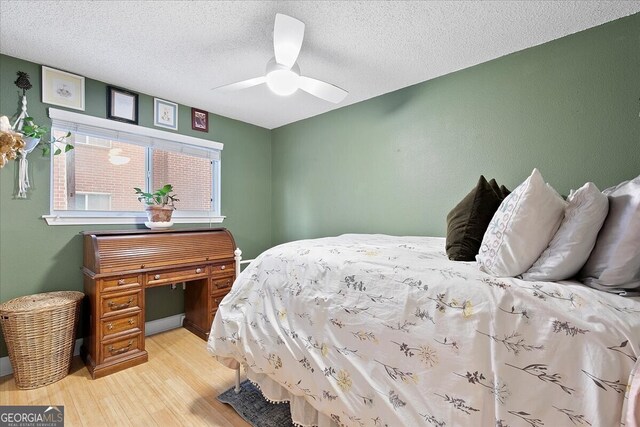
(159,213)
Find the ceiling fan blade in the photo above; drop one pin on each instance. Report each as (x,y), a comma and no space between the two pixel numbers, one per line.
(241,85)
(288,33)
(322,90)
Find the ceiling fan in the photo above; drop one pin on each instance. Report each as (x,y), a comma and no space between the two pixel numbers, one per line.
(283,74)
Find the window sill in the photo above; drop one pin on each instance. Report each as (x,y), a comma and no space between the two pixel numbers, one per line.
(130,219)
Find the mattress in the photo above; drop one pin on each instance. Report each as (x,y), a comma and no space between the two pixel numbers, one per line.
(375,330)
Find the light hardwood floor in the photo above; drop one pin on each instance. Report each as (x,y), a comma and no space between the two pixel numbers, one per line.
(178,386)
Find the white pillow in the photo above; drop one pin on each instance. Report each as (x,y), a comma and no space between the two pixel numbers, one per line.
(570,247)
(615,260)
(521,228)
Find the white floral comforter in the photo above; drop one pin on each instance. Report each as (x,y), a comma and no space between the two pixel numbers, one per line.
(377,330)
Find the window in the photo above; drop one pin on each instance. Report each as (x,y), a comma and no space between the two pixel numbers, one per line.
(93,184)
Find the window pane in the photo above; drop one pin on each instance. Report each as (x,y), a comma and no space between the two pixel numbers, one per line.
(92,202)
(190,176)
(81,202)
(92,167)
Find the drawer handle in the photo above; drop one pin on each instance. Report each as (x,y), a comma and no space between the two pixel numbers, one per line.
(221,285)
(110,325)
(121,350)
(113,306)
(121,282)
(156,277)
(198,270)
(222,268)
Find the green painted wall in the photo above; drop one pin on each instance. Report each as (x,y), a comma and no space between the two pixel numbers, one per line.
(35,257)
(398,163)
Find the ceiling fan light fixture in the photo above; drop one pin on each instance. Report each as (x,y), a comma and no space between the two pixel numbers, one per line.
(116,159)
(282,80)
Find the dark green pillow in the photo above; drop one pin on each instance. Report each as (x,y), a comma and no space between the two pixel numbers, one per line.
(468,221)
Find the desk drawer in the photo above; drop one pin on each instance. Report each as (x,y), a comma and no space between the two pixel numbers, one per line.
(216,300)
(120,283)
(226,269)
(121,325)
(223,284)
(178,275)
(121,347)
(120,303)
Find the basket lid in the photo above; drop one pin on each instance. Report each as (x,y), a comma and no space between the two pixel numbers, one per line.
(42,301)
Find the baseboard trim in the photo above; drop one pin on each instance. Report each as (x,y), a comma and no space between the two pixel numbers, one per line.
(165,324)
(150,328)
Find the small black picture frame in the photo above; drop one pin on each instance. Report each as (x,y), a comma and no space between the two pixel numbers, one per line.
(199,120)
(122,105)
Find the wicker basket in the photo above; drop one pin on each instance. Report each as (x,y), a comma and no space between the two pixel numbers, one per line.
(40,332)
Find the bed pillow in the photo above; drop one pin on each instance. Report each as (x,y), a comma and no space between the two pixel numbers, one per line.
(521,228)
(496,188)
(467,222)
(615,260)
(570,247)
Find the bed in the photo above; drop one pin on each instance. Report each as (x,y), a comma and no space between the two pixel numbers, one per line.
(376,330)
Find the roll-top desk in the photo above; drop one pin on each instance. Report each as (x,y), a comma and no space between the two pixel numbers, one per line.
(119,265)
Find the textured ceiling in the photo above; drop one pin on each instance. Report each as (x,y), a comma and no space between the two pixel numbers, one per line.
(179,50)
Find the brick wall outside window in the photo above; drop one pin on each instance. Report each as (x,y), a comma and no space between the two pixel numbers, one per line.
(190,176)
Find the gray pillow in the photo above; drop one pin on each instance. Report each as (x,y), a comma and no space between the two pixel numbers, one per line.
(615,260)
(573,242)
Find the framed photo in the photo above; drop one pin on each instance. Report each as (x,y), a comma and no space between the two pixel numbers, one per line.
(165,114)
(122,105)
(199,120)
(62,88)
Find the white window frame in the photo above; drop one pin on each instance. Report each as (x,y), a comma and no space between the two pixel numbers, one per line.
(70,217)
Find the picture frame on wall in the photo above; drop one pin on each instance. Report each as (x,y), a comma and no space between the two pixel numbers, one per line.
(122,105)
(62,88)
(165,114)
(199,120)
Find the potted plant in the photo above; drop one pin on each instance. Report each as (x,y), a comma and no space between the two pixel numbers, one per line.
(160,203)
(34,133)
